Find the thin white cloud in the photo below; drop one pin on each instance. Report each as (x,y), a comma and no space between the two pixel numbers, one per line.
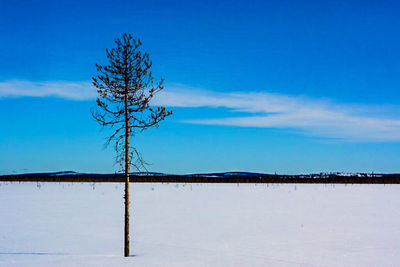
(315,117)
(62,89)
(310,116)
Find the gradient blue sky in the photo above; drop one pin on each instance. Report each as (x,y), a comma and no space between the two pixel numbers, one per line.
(263,86)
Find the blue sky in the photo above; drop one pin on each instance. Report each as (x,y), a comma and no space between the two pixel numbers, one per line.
(263,86)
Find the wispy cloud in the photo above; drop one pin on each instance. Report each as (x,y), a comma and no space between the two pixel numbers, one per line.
(309,116)
(62,89)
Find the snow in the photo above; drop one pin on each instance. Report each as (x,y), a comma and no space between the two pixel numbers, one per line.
(200,225)
(64,173)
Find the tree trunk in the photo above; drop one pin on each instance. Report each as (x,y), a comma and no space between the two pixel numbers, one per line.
(126,247)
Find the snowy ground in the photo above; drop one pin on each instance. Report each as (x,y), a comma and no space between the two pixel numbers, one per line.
(200,225)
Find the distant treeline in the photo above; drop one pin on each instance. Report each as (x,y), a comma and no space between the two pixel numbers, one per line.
(265,178)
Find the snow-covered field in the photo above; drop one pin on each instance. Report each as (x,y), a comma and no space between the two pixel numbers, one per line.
(200,225)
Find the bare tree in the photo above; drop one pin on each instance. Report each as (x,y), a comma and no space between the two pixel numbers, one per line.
(125,87)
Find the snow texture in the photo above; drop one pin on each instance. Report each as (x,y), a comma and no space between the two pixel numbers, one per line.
(200,225)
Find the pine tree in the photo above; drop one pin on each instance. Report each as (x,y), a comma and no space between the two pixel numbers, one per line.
(126,86)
